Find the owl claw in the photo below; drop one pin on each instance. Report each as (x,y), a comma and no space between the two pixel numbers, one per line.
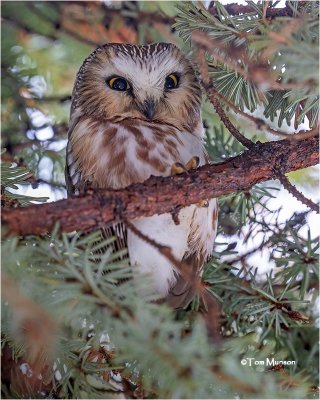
(193,163)
(178,168)
(203,203)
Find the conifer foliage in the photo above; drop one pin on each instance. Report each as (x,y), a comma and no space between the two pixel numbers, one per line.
(74,321)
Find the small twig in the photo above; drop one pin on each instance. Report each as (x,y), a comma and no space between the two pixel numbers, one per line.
(166,251)
(261,124)
(296,315)
(297,194)
(212,315)
(244,256)
(203,69)
(35,182)
(214,96)
(227,123)
(59,99)
(265,7)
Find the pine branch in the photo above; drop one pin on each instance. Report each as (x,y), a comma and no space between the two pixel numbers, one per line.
(260,123)
(237,9)
(257,70)
(226,121)
(214,96)
(165,194)
(297,194)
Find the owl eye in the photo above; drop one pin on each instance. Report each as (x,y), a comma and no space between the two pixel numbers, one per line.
(172,81)
(118,83)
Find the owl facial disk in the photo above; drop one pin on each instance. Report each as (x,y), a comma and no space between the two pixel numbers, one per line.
(152,82)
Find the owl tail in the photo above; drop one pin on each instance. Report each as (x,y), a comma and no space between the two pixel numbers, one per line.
(183,292)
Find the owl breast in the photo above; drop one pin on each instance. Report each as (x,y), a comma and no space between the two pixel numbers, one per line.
(115,155)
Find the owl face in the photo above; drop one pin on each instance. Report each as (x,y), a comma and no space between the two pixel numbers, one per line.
(153,82)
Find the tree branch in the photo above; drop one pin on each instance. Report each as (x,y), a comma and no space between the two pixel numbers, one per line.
(226,121)
(237,9)
(214,97)
(160,195)
(260,123)
(297,194)
(257,71)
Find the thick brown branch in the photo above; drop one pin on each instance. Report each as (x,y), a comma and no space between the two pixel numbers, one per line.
(160,195)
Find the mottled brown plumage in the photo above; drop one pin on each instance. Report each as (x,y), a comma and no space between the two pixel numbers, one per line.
(136,112)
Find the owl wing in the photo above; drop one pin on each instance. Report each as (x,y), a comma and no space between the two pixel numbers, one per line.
(74,180)
(201,237)
(76,185)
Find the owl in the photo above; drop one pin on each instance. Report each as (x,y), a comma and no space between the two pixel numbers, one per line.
(136,112)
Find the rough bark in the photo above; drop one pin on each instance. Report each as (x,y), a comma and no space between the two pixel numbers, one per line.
(158,195)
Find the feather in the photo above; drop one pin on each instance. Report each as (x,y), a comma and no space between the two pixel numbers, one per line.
(113,144)
(183,292)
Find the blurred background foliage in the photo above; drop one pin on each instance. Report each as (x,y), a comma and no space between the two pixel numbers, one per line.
(43,46)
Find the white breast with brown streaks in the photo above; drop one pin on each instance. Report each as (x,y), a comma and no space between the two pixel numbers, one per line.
(115,155)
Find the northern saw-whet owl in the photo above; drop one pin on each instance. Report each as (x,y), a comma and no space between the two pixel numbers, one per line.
(136,112)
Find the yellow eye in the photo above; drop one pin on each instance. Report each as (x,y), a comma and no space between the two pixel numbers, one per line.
(172,81)
(118,83)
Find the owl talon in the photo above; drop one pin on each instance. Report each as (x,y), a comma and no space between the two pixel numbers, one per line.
(178,168)
(203,203)
(193,163)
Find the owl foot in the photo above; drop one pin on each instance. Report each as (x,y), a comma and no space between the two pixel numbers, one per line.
(203,203)
(178,168)
(193,163)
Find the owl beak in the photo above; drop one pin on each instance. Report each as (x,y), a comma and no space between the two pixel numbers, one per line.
(148,108)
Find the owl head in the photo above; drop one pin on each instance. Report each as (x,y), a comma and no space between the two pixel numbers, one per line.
(153,82)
